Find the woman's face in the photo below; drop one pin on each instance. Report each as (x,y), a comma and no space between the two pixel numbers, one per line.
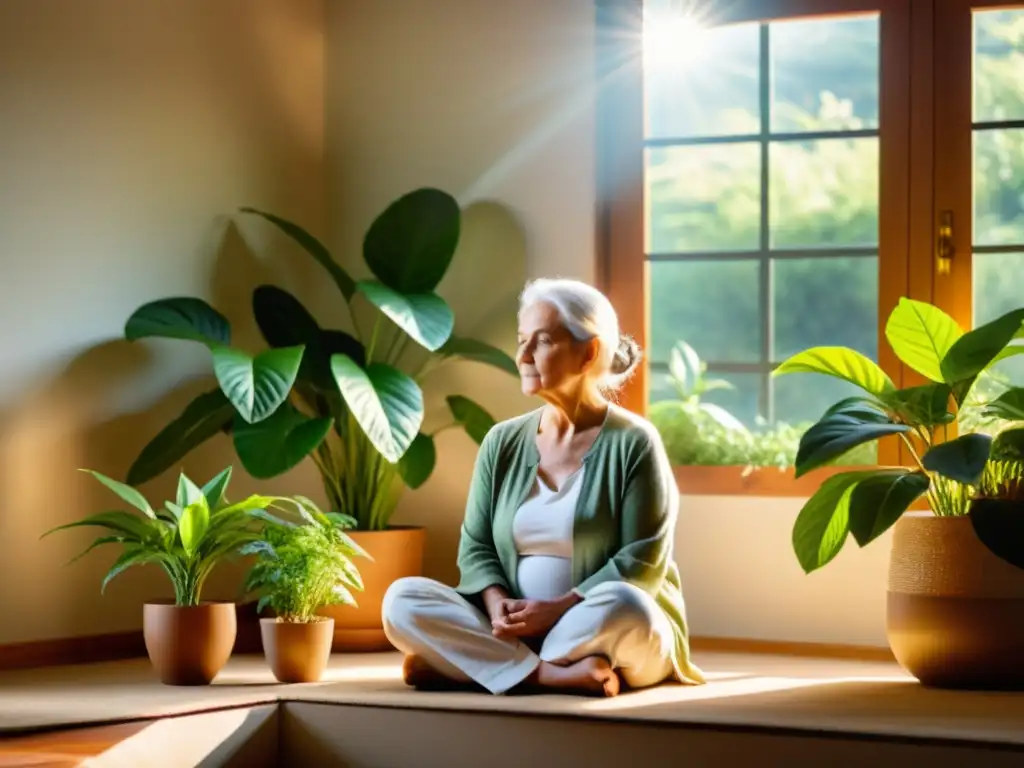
(550,360)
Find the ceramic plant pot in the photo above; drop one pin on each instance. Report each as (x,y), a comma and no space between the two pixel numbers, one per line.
(396,552)
(955,611)
(297,652)
(189,645)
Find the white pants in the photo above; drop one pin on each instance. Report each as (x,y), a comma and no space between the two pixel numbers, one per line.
(616,620)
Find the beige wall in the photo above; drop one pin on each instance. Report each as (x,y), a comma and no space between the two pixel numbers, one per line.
(130,131)
(494,100)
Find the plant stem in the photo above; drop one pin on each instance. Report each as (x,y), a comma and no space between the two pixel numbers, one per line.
(373,341)
(442,428)
(910,447)
(398,340)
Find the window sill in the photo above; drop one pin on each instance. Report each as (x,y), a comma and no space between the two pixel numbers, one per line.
(711,480)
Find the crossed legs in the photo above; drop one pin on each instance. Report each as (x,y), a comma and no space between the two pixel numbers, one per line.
(617,631)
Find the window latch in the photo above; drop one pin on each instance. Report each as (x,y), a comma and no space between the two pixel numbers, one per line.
(944,248)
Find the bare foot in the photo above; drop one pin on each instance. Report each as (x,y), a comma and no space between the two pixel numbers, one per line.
(418,673)
(592,676)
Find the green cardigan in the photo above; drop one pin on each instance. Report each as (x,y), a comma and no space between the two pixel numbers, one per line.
(625,518)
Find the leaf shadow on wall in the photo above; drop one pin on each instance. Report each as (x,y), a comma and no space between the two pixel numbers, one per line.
(78,420)
(482,286)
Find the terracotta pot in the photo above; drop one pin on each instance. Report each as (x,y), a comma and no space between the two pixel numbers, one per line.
(297,652)
(396,552)
(189,645)
(955,614)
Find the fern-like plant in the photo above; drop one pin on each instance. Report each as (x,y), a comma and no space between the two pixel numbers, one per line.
(302,567)
(187,538)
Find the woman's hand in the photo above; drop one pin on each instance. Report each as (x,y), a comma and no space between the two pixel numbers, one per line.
(530,618)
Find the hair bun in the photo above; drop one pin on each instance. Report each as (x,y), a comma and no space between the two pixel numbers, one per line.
(627,357)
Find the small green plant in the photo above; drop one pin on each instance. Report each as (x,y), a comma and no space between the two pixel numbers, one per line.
(699,433)
(302,567)
(352,402)
(948,470)
(187,538)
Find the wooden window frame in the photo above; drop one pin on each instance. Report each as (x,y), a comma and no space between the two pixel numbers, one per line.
(622,265)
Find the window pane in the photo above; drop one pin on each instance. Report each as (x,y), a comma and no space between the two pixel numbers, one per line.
(996,292)
(741,395)
(827,301)
(703,198)
(998,65)
(999,187)
(698,81)
(823,193)
(824,74)
(711,305)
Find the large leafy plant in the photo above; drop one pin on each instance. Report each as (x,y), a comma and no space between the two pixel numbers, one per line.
(187,537)
(948,468)
(341,398)
(302,567)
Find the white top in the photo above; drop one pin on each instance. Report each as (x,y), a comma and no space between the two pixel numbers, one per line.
(543,531)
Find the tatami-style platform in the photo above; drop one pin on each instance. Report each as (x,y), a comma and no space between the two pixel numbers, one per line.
(760,709)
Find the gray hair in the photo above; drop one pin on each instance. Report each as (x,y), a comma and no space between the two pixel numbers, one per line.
(587,314)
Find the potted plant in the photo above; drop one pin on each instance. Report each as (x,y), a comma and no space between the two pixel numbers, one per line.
(953,603)
(188,640)
(300,569)
(351,402)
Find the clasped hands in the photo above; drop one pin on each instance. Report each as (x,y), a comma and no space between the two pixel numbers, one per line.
(512,618)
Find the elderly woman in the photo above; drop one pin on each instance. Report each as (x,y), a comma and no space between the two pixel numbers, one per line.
(567,578)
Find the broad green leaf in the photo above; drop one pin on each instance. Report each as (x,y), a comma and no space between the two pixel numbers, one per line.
(880,499)
(282,319)
(858,406)
(179,318)
(409,246)
(481,352)
(195,520)
(1009,405)
(1000,526)
(386,403)
(975,350)
(314,248)
(426,317)
(138,528)
(130,557)
(474,419)
(1007,352)
(174,509)
(285,322)
(926,405)
(921,334)
(836,434)
(214,490)
(273,446)
(126,492)
(188,492)
(962,459)
(821,527)
(207,415)
(841,363)
(417,463)
(256,386)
